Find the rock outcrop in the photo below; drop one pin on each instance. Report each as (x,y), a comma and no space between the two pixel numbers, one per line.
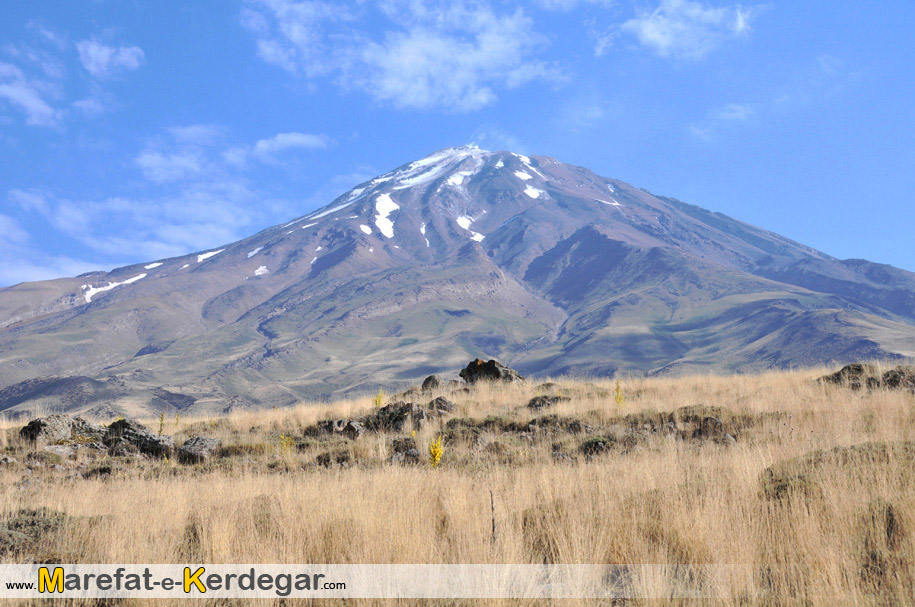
(490,370)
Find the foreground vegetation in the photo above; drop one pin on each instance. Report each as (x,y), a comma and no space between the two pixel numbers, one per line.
(810,485)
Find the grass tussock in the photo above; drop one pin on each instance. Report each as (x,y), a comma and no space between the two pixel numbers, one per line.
(811,486)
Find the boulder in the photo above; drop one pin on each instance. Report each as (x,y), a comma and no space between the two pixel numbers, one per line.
(491,370)
(542,402)
(332,426)
(410,456)
(433,382)
(597,445)
(402,445)
(393,418)
(126,433)
(353,430)
(900,378)
(61,429)
(441,404)
(198,449)
(709,428)
(331,459)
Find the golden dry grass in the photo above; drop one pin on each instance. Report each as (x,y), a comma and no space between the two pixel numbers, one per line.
(837,530)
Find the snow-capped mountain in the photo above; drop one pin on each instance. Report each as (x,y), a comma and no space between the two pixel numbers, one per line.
(464,253)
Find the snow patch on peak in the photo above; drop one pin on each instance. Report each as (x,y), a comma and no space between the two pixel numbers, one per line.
(204,256)
(465,221)
(613,204)
(365,229)
(384,207)
(152,266)
(458,178)
(90,292)
(500,164)
(255,252)
(522,175)
(422,229)
(261,271)
(533,192)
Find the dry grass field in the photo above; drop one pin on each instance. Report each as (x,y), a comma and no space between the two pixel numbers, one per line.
(810,486)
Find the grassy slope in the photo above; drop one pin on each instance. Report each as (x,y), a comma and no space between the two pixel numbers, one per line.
(655,499)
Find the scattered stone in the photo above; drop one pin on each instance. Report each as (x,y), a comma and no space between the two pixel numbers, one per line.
(353,430)
(410,456)
(860,375)
(332,426)
(13,541)
(441,404)
(491,370)
(597,445)
(8,460)
(402,445)
(59,429)
(334,458)
(393,418)
(139,436)
(198,449)
(708,428)
(542,402)
(433,382)
(122,448)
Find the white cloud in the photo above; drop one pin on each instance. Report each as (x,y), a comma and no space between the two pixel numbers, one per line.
(90,106)
(450,55)
(688,29)
(27,95)
(161,167)
(102,61)
(568,5)
(734,111)
(265,149)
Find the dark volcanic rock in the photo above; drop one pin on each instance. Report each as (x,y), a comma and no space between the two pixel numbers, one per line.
(393,417)
(441,404)
(353,430)
(198,449)
(859,375)
(491,370)
(139,436)
(854,375)
(542,402)
(433,382)
(402,445)
(60,429)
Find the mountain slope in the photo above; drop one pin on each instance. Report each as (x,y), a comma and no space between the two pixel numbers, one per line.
(461,254)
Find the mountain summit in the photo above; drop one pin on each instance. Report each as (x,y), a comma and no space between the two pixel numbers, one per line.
(465,253)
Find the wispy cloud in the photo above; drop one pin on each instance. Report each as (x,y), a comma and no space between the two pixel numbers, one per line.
(102,61)
(266,149)
(568,5)
(27,94)
(161,167)
(450,55)
(734,111)
(688,29)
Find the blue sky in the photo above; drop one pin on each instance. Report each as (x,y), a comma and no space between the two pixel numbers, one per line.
(131,131)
